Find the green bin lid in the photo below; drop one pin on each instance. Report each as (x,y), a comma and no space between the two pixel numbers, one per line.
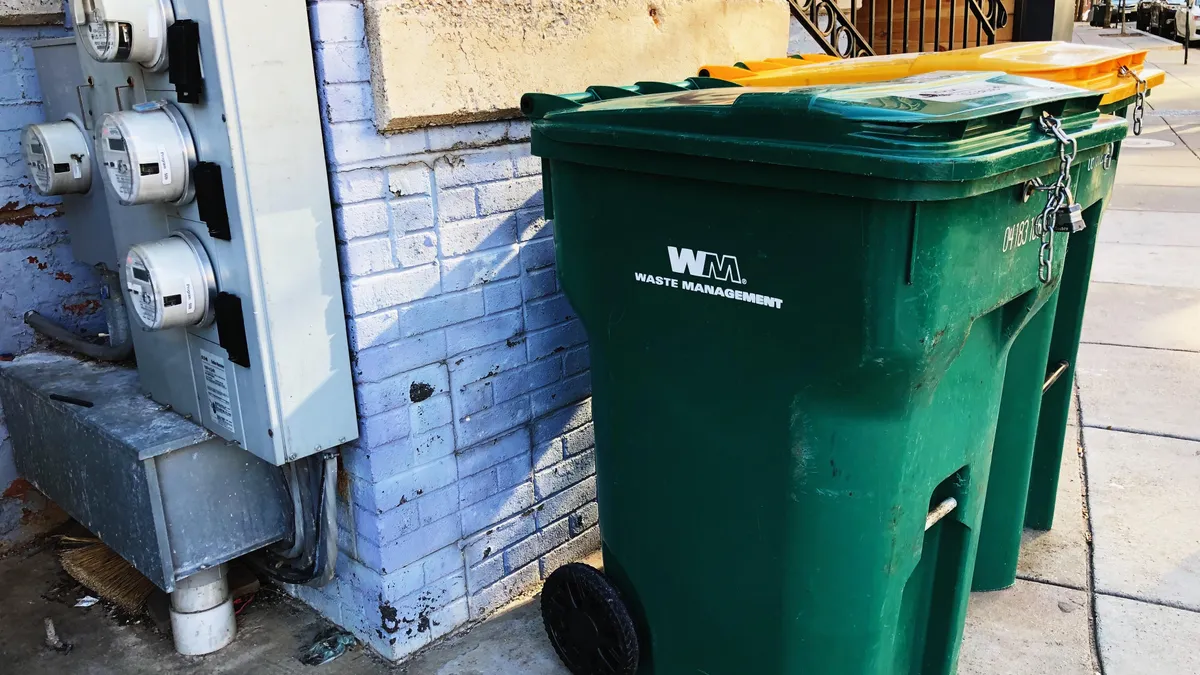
(946,126)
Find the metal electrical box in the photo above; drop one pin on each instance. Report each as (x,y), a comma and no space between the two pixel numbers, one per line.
(164,493)
(207,139)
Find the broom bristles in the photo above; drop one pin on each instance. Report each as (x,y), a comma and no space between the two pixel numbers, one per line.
(109,576)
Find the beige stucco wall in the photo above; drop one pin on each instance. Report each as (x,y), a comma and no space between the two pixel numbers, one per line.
(442,61)
(30,12)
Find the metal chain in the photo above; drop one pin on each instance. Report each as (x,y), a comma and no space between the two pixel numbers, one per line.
(1139,102)
(1058,193)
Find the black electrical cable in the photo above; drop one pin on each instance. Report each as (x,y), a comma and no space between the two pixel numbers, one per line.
(316,480)
(111,353)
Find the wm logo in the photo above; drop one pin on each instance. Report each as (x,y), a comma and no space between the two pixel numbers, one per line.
(705,265)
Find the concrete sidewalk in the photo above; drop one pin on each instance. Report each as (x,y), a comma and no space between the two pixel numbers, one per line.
(1133,39)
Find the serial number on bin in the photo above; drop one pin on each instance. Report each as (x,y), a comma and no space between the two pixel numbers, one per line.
(1016,236)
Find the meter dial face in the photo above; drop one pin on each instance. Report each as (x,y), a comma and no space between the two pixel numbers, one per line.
(118,165)
(36,160)
(142,295)
(107,40)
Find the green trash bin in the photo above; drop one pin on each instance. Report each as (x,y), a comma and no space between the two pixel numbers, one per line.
(800,305)
(1033,422)
(1066,333)
(1035,409)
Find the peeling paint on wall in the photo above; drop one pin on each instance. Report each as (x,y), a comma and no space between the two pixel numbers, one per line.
(13,213)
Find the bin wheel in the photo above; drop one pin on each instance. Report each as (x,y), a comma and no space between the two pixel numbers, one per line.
(588,623)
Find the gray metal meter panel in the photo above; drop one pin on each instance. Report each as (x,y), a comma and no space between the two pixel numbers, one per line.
(63,87)
(245,179)
(101,229)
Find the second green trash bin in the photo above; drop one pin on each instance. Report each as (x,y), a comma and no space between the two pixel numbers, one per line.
(800,305)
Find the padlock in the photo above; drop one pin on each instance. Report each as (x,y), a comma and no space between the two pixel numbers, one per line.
(1069,218)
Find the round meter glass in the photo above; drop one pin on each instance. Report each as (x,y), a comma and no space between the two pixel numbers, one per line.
(57,157)
(125,30)
(169,283)
(147,155)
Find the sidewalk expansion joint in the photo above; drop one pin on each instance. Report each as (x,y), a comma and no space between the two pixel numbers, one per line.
(1139,243)
(1141,432)
(1090,532)
(1046,582)
(1148,601)
(1126,283)
(1167,122)
(1161,349)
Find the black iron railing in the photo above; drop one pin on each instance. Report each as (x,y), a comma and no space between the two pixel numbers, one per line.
(850,28)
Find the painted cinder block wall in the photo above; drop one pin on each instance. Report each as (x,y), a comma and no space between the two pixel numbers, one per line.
(473,476)
(37,269)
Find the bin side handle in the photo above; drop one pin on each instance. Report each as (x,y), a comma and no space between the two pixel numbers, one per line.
(940,511)
(1059,370)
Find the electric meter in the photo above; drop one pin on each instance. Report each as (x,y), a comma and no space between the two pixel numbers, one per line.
(148,154)
(57,157)
(170,283)
(133,31)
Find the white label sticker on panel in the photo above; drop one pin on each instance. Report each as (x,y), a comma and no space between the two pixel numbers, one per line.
(961,92)
(216,383)
(164,165)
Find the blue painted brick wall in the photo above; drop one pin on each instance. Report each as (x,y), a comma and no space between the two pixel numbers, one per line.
(37,270)
(473,478)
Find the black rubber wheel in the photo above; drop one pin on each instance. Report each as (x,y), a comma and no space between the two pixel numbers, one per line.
(588,623)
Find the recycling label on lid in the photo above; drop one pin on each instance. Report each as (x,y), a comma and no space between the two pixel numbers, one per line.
(963,91)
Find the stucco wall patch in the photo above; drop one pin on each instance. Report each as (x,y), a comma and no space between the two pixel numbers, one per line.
(452,61)
(30,12)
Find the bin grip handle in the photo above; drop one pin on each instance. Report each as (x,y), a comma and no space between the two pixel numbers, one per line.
(1018,311)
(939,512)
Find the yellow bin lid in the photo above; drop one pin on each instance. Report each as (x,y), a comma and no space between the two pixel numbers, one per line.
(1090,67)
(805,72)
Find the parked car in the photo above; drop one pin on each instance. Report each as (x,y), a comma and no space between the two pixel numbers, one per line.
(1144,9)
(1162,17)
(1165,26)
(1187,29)
(1126,8)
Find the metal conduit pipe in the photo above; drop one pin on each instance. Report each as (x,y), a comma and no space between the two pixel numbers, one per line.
(120,343)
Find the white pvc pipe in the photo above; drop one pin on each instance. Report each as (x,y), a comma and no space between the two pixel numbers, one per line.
(202,619)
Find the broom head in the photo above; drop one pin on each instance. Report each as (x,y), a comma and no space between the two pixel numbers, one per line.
(108,575)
